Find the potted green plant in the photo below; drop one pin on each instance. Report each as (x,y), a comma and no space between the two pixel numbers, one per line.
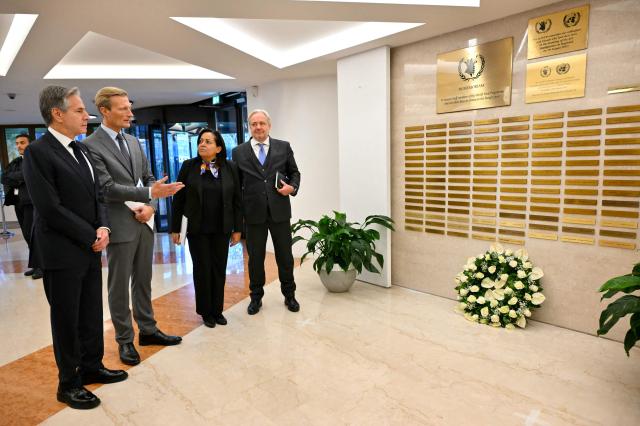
(341,248)
(629,304)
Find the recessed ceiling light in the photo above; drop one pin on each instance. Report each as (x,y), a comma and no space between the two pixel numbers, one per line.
(18,31)
(87,60)
(467,3)
(230,32)
(133,72)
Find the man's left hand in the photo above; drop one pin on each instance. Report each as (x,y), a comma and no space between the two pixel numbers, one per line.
(144,213)
(286,189)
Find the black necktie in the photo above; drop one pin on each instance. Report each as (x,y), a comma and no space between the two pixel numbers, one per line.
(77,152)
(123,149)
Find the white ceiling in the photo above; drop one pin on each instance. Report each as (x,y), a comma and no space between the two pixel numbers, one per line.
(145,26)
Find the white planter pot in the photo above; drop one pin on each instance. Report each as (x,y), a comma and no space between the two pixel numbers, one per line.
(338,281)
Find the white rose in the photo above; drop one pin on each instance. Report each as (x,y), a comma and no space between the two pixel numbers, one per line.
(475,317)
(464,292)
(473,267)
(521,322)
(501,259)
(479,256)
(537,298)
(493,303)
(522,254)
(468,316)
(471,260)
(527,313)
(513,263)
(481,300)
(521,274)
(463,279)
(483,321)
(474,289)
(518,285)
(487,257)
(504,309)
(509,327)
(462,305)
(471,299)
(536,273)
(527,265)
(504,277)
(479,275)
(492,269)
(508,252)
(496,324)
(487,283)
(512,313)
(527,297)
(508,291)
(498,294)
(484,312)
(513,301)
(533,287)
(495,318)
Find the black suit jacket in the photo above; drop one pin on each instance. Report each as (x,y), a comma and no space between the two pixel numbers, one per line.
(188,201)
(13,179)
(68,206)
(259,195)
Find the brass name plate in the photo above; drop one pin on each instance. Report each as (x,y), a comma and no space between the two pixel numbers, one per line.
(475,77)
(560,32)
(561,78)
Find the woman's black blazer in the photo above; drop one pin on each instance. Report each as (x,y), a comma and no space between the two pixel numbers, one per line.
(188,201)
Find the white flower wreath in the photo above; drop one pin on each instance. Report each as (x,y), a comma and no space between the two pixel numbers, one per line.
(499,288)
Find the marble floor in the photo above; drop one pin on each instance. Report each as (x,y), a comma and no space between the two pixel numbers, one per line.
(370,356)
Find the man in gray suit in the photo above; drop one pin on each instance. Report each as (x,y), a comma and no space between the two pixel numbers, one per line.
(124,174)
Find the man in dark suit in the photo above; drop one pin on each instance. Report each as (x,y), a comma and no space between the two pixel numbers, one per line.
(125,176)
(17,195)
(69,233)
(267,208)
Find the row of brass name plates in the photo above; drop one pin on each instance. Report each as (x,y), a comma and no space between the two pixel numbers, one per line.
(570,177)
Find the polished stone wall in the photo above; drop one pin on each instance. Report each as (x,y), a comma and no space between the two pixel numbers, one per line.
(573,272)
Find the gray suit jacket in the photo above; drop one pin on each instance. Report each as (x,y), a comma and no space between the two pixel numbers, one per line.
(118,181)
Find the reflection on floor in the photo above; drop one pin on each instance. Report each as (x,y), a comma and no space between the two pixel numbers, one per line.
(371,356)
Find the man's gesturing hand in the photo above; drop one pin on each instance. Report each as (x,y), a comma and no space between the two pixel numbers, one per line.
(160,189)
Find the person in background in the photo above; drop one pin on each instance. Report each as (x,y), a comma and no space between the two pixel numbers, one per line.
(17,195)
(70,230)
(211,202)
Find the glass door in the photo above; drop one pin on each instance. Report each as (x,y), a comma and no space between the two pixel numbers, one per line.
(157,160)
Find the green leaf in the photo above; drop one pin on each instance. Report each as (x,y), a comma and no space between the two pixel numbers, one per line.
(625,283)
(636,270)
(625,305)
(297,238)
(633,334)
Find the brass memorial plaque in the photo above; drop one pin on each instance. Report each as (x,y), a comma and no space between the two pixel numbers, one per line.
(476,77)
(560,32)
(561,78)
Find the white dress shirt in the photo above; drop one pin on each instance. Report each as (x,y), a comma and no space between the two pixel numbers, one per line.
(65,141)
(256,147)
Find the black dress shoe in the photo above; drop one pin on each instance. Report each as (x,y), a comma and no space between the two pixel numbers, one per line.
(220,319)
(79,398)
(128,354)
(292,304)
(104,375)
(158,338)
(29,272)
(37,274)
(254,307)
(209,321)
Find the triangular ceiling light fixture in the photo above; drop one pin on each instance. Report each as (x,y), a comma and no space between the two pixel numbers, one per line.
(99,57)
(283,43)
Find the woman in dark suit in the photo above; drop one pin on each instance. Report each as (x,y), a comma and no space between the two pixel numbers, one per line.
(211,201)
